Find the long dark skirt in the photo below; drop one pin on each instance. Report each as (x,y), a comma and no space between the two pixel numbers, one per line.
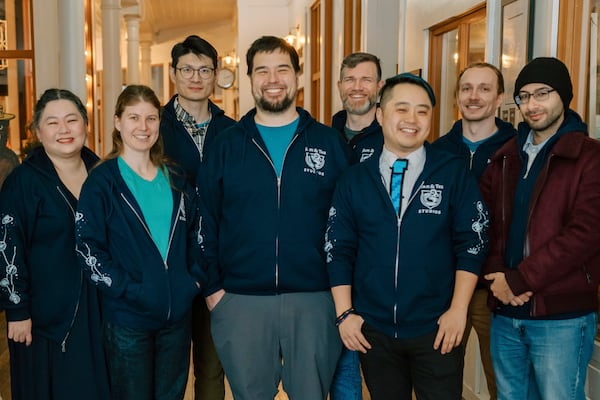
(43,371)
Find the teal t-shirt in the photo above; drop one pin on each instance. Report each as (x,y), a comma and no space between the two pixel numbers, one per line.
(474,145)
(277,140)
(156,201)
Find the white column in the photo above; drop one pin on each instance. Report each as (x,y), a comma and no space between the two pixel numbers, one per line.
(111,68)
(133,49)
(146,59)
(72,50)
(45,28)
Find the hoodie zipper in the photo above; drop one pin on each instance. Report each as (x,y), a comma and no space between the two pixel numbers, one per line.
(63,344)
(152,240)
(397,261)
(278,198)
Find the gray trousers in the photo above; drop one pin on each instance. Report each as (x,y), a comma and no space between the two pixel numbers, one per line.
(262,340)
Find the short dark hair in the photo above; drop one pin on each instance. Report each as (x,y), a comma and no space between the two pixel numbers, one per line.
(268,44)
(495,69)
(352,60)
(405,78)
(196,45)
(52,95)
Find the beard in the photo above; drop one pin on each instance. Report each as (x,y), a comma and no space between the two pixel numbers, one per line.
(277,106)
(539,126)
(359,109)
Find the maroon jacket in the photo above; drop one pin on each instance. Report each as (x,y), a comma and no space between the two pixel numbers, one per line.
(561,265)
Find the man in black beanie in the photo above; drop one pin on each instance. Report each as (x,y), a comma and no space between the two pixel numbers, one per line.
(543,191)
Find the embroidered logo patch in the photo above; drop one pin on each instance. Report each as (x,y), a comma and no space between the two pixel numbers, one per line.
(431,197)
(365,154)
(315,160)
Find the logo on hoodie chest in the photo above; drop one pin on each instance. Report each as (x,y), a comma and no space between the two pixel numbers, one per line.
(365,154)
(315,160)
(431,198)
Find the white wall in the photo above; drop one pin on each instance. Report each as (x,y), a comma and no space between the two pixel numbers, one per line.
(255,19)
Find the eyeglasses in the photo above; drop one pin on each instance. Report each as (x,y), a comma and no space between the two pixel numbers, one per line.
(538,95)
(203,72)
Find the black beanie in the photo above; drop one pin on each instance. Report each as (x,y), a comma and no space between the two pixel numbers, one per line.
(550,71)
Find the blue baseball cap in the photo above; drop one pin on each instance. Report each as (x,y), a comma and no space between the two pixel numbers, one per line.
(407,77)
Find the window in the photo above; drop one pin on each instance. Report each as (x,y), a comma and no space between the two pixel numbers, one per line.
(17,92)
(455,43)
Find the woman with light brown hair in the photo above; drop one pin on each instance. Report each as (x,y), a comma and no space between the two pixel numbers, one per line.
(136,229)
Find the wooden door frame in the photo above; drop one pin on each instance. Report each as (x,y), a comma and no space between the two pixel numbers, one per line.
(436,32)
(569,33)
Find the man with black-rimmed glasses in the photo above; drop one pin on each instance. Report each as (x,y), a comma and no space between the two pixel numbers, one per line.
(543,191)
(189,123)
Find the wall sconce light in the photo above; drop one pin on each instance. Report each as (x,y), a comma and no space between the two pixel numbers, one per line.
(230,60)
(295,38)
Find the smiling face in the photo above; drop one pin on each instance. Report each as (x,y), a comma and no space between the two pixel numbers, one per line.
(138,125)
(194,88)
(274,81)
(61,130)
(359,87)
(543,116)
(477,95)
(405,118)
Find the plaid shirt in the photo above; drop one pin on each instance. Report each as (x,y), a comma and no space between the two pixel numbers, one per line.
(196,130)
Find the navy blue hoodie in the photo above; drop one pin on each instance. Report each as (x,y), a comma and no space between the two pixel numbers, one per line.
(263,234)
(478,162)
(118,255)
(403,272)
(368,143)
(39,271)
(179,145)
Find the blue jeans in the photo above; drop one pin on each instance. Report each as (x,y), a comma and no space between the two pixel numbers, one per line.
(347,382)
(542,359)
(148,364)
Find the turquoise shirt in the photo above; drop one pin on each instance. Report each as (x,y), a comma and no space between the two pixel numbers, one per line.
(474,145)
(277,140)
(156,201)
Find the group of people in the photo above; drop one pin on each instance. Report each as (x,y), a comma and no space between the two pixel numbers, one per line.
(286,251)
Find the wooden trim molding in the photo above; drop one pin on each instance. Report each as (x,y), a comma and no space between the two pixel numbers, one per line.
(569,50)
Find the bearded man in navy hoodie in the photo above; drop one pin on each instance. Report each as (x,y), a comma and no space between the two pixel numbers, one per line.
(265,189)
(543,190)
(404,257)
